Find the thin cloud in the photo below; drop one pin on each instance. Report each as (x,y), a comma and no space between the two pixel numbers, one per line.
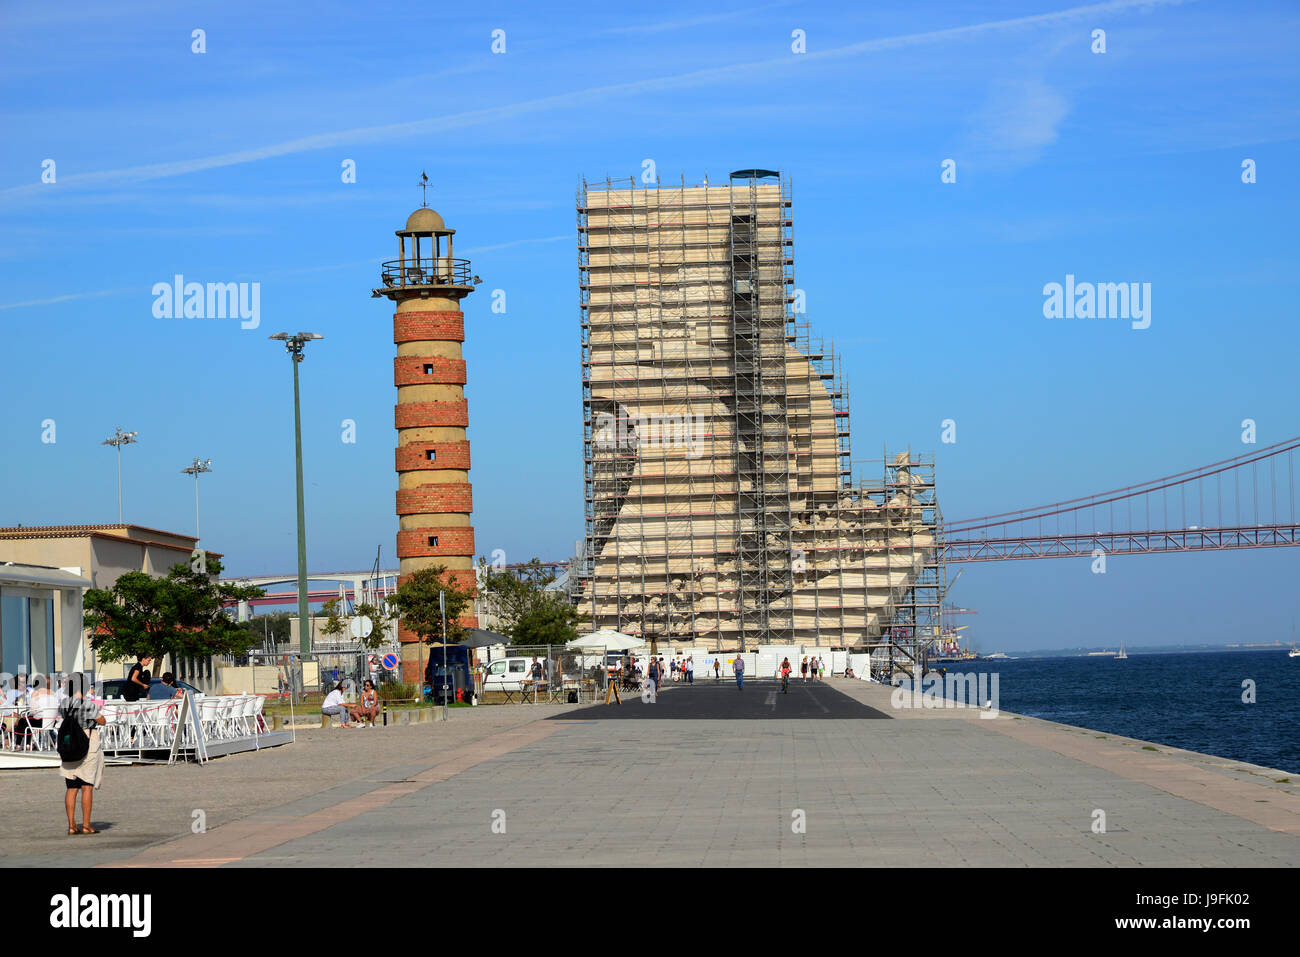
(585,97)
(1017,123)
(69,296)
(688,23)
(516,242)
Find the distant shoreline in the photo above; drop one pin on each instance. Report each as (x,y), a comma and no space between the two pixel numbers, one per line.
(1133,650)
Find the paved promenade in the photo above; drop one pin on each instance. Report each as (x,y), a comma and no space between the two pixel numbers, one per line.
(830,774)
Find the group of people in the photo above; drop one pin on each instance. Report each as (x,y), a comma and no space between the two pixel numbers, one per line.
(815,666)
(139,684)
(367,709)
(657,671)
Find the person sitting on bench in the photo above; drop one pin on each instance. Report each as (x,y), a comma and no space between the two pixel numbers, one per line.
(369,709)
(333,705)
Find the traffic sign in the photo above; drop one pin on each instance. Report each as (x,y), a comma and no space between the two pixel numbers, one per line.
(390,661)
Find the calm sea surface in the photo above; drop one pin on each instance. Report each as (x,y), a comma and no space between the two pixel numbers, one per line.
(1190,701)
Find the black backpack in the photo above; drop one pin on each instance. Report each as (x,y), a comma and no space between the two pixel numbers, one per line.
(73,742)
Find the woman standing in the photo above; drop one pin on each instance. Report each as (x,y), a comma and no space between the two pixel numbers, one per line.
(85,774)
(803,668)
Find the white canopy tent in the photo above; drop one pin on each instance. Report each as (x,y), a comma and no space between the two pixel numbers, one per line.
(605,640)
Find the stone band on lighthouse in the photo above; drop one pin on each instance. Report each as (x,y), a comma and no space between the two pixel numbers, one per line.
(434,498)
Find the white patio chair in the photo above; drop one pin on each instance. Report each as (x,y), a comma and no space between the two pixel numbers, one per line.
(231,714)
(248,715)
(235,716)
(115,733)
(158,719)
(255,714)
(210,710)
(43,719)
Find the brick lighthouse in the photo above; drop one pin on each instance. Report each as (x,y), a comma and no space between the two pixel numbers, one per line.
(434,502)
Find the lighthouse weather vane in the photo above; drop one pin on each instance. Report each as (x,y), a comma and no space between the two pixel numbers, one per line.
(424,185)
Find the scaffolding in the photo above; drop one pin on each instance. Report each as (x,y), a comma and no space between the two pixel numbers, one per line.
(722,506)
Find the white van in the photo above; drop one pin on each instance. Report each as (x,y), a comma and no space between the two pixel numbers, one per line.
(508,674)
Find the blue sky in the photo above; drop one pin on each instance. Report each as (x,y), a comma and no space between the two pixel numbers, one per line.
(225,166)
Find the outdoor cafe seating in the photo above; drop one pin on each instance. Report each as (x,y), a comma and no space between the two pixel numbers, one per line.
(136,725)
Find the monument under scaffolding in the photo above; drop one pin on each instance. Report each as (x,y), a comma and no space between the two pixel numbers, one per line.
(723,505)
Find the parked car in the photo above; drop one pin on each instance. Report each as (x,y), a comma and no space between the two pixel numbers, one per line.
(157,690)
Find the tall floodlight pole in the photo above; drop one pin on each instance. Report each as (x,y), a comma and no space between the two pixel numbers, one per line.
(117,440)
(294,346)
(442,607)
(196,469)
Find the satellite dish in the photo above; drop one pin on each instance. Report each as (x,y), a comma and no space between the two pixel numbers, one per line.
(361,627)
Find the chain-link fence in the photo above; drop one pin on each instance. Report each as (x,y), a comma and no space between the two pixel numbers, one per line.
(541,674)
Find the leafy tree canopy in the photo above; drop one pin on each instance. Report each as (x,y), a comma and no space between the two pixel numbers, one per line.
(417,603)
(525,611)
(182,614)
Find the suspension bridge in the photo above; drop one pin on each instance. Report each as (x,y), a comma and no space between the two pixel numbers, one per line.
(1248,501)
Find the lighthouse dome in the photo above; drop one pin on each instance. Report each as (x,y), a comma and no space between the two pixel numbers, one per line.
(424,219)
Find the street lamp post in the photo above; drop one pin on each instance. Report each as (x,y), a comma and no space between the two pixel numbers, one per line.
(294,346)
(119,439)
(197,469)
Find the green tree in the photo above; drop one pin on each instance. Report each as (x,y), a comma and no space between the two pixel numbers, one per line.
(334,627)
(525,610)
(181,614)
(416,602)
(276,625)
(382,625)
(550,621)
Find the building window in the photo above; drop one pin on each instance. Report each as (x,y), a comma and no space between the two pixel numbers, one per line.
(428,368)
(26,632)
(433,455)
(433,541)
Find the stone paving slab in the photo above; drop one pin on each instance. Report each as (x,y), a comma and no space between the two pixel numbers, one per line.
(712,700)
(945,788)
(723,793)
(144,805)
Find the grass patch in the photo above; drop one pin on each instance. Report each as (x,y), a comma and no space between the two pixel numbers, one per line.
(1281,780)
(1149,747)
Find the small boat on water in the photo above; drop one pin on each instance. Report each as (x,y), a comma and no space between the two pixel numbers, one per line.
(1122,652)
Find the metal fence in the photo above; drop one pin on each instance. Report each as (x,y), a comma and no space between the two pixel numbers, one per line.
(567,675)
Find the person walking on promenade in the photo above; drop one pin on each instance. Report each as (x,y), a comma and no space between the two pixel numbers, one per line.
(821,668)
(652,678)
(85,773)
(690,670)
(738,666)
(803,668)
(717,669)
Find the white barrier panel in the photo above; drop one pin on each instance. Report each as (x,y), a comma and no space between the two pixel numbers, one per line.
(860,663)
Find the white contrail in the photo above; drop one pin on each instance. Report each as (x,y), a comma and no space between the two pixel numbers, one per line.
(50,302)
(496,114)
